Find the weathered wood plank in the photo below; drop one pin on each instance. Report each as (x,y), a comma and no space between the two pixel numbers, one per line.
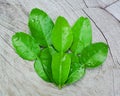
(115,10)
(99,3)
(91,3)
(17,76)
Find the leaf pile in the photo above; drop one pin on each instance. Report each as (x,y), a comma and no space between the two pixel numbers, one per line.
(61,52)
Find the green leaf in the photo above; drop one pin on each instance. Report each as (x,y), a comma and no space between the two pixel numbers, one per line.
(82,35)
(25,46)
(51,50)
(60,68)
(77,70)
(43,65)
(46,59)
(62,35)
(38,66)
(40,25)
(94,54)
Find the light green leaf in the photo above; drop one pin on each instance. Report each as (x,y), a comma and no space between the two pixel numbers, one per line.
(40,25)
(62,35)
(25,46)
(60,68)
(82,35)
(94,54)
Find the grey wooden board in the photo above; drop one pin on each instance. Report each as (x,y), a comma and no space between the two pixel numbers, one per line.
(99,3)
(115,9)
(17,76)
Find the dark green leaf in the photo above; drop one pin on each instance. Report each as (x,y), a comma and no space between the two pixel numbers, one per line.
(40,25)
(62,35)
(38,66)
(43,65)
(82,35)
(25,46)
(77,70)
(60,68)
(94,54)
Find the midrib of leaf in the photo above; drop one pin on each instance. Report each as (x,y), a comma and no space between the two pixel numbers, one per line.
(61,41)
(60,71)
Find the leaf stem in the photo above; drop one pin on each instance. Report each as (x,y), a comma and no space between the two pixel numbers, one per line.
(60,86)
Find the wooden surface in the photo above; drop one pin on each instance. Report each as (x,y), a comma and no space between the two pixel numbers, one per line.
(17,76)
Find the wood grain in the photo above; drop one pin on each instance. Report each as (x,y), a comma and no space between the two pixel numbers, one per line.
(114,9)
(99,3)
(17,76)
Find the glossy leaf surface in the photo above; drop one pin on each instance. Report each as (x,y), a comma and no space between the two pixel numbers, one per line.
(60,68)
(94,54)
(77,70)
(43,65)
(40,25)
(52,50)
(62,35)
(25,46)
(40,70)
(82,35)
